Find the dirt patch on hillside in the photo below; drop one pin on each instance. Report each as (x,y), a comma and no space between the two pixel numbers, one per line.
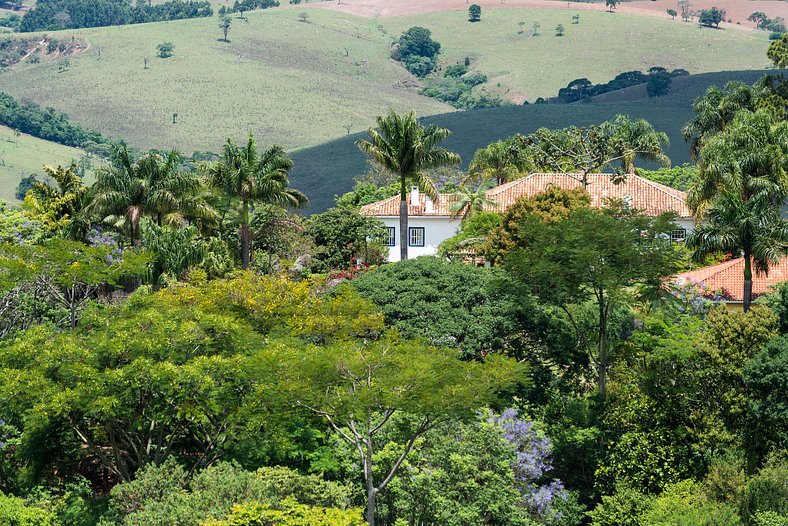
(14,50)
(737,10)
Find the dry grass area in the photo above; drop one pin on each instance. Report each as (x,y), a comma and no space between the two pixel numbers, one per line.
(737,10)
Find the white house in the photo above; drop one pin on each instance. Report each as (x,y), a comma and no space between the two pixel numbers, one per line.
(430,223)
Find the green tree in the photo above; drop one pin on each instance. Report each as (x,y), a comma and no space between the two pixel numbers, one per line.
(637,139)
(248,177)
(738,197)
(499,161)
(715,110)
(611,5)
(597,256)
(341,235)
(402,146)
(672,14)
(165,49)
(60,208)
(469,202)
(69,272)
(760,19)
(765,378)
(225,22)
(711,17)
(778,51)
(358,389)
(153,187)
(559,30)
(449,304)
(475,13)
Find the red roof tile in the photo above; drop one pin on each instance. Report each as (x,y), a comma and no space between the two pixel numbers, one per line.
(729,276)
(653,198)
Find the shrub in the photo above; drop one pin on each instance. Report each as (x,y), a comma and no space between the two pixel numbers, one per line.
(15,512)
(166,49)
(289,513)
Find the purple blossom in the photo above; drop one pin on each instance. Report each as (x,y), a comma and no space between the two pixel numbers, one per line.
(531,462)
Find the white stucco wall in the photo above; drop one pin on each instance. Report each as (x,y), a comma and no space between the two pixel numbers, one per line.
(436,230)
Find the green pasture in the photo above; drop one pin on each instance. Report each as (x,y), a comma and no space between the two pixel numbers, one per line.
(22,155)
(293,83)
(300,84)
(599,47)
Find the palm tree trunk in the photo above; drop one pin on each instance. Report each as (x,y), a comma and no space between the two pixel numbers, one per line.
(747,281)
(403,220)
(246,236)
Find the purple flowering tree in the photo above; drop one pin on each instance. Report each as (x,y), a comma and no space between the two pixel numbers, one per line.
(531,463)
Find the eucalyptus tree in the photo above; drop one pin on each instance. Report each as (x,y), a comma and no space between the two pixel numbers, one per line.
(739,195)
(154,186)
(402,146)
(247,176)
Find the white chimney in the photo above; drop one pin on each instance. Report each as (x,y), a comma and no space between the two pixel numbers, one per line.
(427,204)
(414,195)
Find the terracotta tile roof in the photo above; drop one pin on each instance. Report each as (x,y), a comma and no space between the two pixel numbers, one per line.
(729,276)
(653,198)
(390,206)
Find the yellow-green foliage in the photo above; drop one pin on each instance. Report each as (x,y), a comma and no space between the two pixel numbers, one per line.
(14,512)
(289,513)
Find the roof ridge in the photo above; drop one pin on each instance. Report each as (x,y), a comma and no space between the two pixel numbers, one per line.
(662,187)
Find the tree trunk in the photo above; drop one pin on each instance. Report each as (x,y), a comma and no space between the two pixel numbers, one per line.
(246,237)
(747,282)
(403,221)
(372,495)
(602,358)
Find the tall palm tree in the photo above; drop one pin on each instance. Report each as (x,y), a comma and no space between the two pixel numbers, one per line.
(470,202)
(715,110)
(405,148)
(154,186)
(739,195)
(638,139)
(247,176)
(500,161)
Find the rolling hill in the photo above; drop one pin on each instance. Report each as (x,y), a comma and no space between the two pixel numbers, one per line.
(301,83)
(22,155)
(329,169)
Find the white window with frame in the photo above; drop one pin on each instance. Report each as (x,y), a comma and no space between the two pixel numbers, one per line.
(678,235)
(391,237)
(416,236)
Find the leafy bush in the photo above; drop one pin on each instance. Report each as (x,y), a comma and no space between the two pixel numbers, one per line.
(623,508)
(15,512)
(289,513)
(417,51)
(165,494)
(683,504)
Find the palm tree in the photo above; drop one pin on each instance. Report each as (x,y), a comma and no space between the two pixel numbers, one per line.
(500,161)
(637,139)
(470,202)
(738,197)
(405,148)
(715,110)
(248,177)
(153,186)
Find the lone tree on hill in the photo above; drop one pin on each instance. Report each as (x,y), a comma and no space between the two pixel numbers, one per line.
(559,30)
(711,17)
(611,4)
(224,24)
(475,13)
(166,49)
(672,14)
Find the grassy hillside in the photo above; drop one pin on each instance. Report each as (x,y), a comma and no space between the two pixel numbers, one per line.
(23,155)
(329,169)
(290,82)
(300,84)
(599,47)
